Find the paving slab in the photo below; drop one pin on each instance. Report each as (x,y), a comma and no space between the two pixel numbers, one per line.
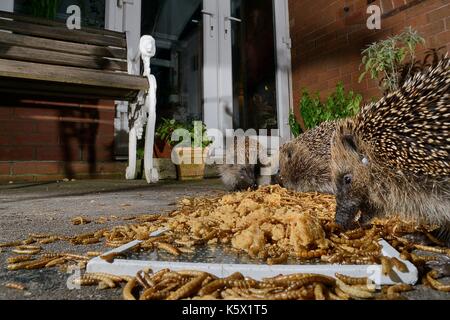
(49,208)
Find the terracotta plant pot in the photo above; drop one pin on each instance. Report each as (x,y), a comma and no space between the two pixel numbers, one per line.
(187,169)
(161,149)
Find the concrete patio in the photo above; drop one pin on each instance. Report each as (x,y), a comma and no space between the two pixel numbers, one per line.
(49,207)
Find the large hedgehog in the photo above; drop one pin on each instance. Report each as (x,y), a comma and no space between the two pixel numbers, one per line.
(394,157)
(305,161)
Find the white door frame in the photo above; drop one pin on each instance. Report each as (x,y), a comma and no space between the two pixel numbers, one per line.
(218,76)
(284,68)
(7,5)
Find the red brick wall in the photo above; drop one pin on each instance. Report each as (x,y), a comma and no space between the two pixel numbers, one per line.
(47,140)
(327,41)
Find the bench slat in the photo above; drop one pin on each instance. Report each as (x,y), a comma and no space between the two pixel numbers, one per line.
(61,34)
(47,89)
(58,58)
(54,23)
(61,46)
(70,75)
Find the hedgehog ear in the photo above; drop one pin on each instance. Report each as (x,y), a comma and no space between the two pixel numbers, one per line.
(348,140)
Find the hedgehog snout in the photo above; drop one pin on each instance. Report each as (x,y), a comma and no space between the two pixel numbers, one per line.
(346,213)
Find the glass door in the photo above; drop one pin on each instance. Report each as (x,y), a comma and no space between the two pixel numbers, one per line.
(177,27)
(253,56)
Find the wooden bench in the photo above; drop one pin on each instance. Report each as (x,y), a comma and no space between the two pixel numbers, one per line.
(43,57)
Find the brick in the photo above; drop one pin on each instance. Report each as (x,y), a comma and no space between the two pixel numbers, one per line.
(36,139)
(5,168)
(16,153)
(24,168)
(58,153)
(398,3)
(35,113)
(438,14)
(11,127)
(6,112)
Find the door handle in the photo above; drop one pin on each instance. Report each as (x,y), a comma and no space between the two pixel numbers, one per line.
(120,3)
(233,19)
(211,22)
(227,23)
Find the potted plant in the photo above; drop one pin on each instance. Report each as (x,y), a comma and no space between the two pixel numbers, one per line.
(190,155)
(163,145)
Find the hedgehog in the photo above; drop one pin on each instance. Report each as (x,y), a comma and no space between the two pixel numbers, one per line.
(305,161)
(393,158)
(249,172)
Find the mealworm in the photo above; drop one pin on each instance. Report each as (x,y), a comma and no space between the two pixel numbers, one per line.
(15,286)
(55,262)
(158,275)
(90,241)
(106,276)
(38,263)
(93,254)
(28,241)
(278,260)
(352,280)
(151,295)
(18,259)
(27,249)
(188,289)
(168,248)
(386,265)
(319,292)
(298,280)
(75,256)
(393,292)
(291,295)
(354,234)
(83,281)
(341,294)
(48,240)
(186,250)
(110,257)
(419,258)
(353,291)
(432,249)
(400,265)
(431,278)
(127,290)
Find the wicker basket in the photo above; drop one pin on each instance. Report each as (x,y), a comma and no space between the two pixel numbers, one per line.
(188,170)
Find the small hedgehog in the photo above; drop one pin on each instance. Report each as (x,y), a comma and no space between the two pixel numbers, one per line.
(394,156)
(244,169)
(305,161)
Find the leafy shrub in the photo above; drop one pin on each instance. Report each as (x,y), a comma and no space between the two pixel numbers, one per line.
(384,59)
(337,106)
(168,126)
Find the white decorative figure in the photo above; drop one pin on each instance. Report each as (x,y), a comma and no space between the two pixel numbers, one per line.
(144,112)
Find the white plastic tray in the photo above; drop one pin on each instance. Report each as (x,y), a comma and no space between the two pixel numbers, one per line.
(128,267)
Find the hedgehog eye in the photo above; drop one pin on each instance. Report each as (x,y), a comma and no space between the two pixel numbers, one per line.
(348,179)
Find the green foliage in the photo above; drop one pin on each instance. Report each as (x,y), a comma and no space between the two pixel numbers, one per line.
(295,127)
(384,59)
(337,106)
(140,153)
(44,8)
(168,126)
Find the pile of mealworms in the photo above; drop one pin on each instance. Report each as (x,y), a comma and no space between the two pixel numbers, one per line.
(271,224)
